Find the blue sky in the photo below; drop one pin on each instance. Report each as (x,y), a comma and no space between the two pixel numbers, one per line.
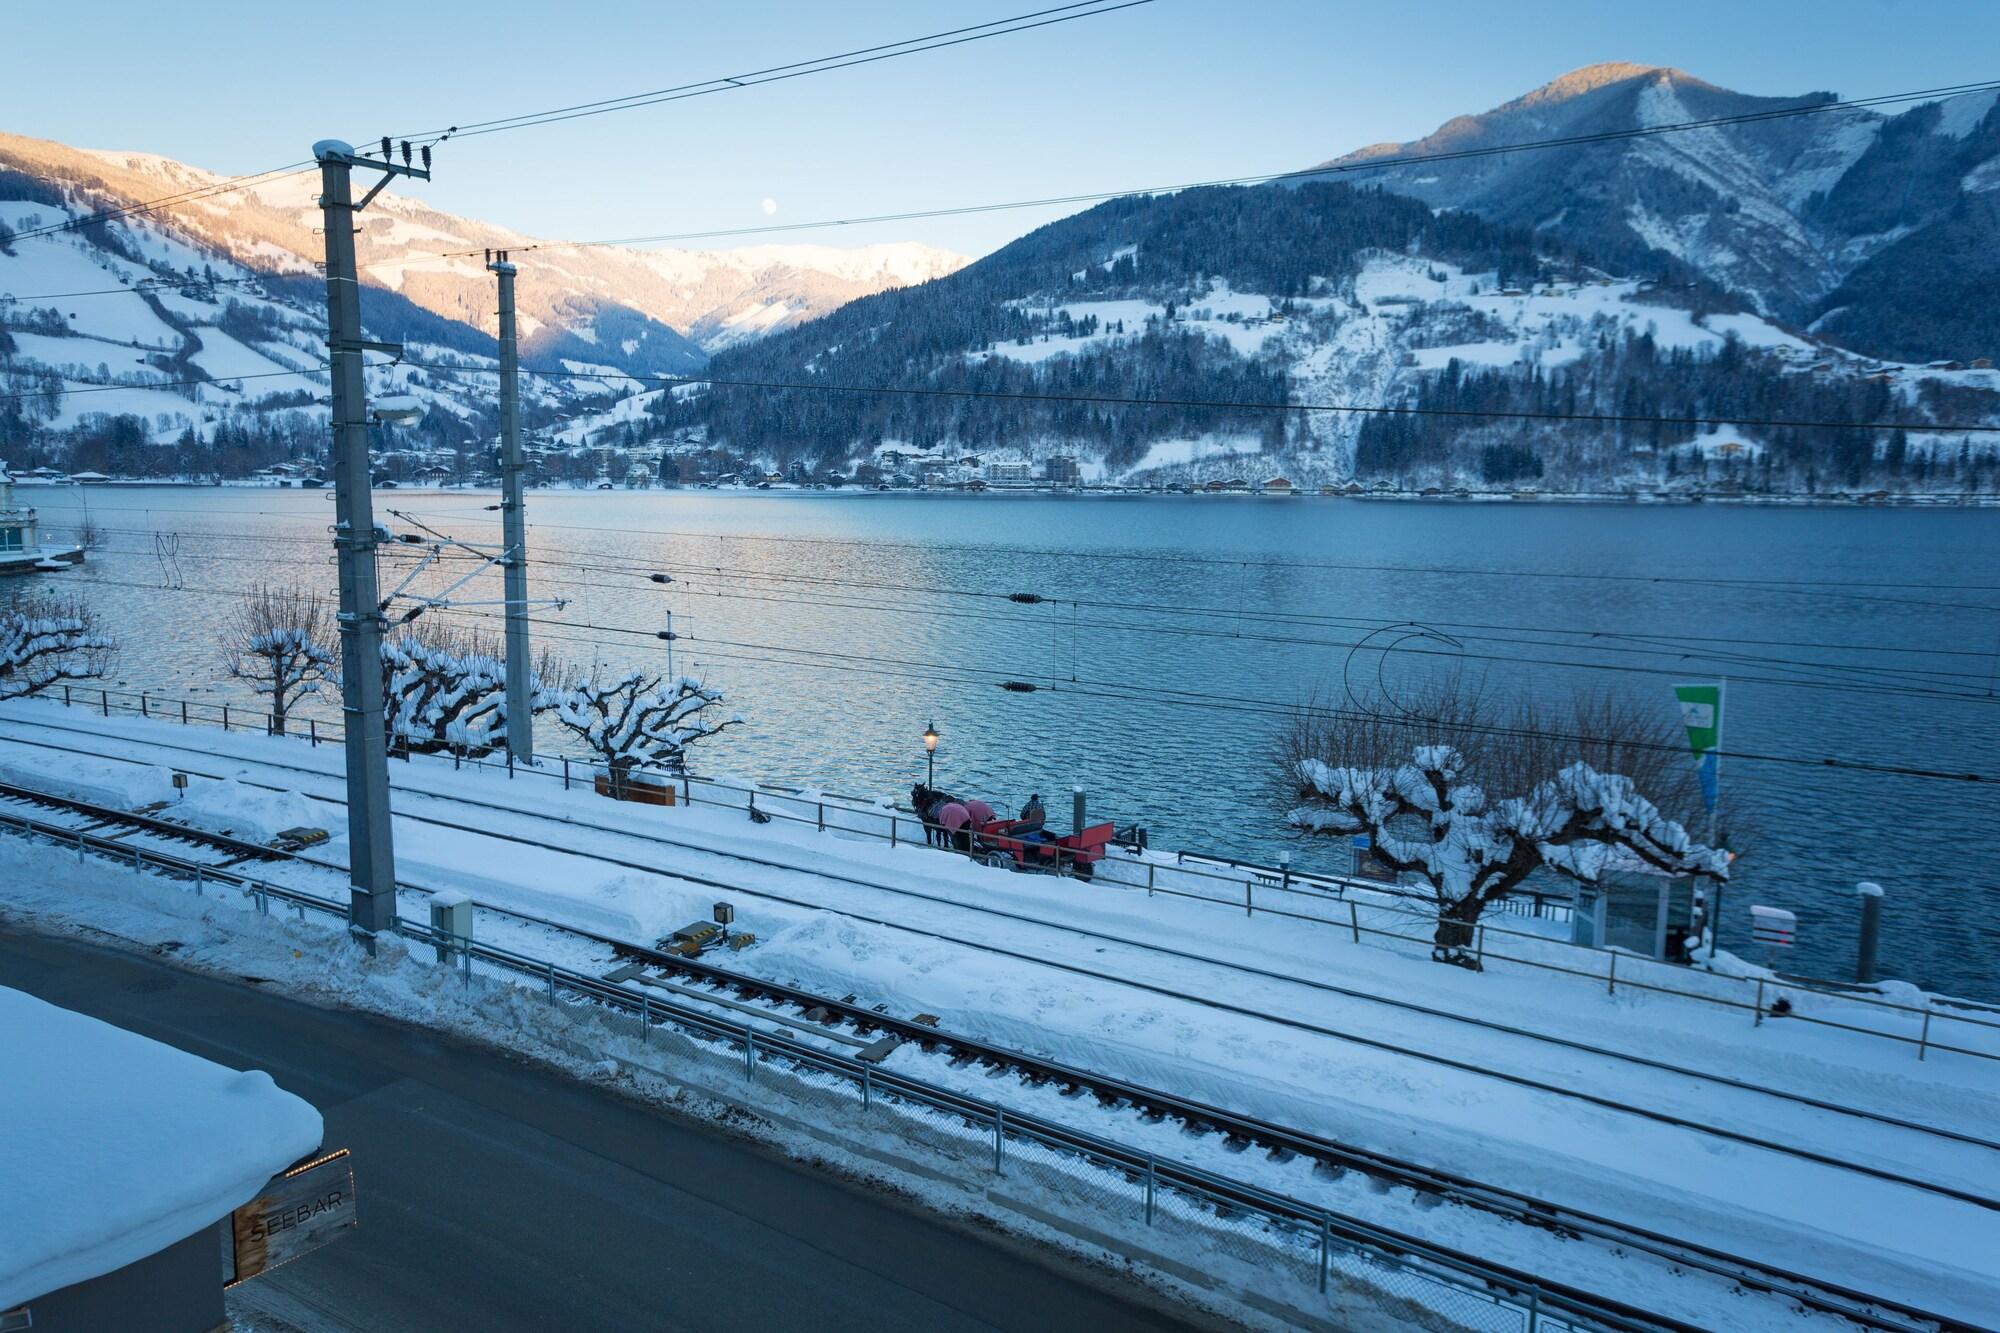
(1175,90)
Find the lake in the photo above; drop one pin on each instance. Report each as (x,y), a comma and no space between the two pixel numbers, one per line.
(1176,633)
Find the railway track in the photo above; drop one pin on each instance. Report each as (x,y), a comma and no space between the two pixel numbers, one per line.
(846,1017)
(1208,961)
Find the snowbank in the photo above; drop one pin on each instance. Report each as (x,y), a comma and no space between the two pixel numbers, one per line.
(106,782)
(254,814)
(117,1146)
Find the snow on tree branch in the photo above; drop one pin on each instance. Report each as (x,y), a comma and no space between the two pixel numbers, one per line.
(445,691)
(1424,819)
(277,642)
(639,720)
(45,640)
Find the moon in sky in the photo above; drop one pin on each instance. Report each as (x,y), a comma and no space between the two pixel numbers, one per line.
(770,206)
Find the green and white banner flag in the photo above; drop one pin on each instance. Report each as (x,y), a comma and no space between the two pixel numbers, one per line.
(1701,714)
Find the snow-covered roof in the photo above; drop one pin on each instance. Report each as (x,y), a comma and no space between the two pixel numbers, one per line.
(117,1145)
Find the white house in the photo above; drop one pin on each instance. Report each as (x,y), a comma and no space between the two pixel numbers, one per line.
(21,549)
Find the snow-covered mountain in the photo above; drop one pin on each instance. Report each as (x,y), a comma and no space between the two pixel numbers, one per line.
(712,298)
(106,348)
(1881,227)
(1121,336)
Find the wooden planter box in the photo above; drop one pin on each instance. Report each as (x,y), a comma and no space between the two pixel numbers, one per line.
(645,788)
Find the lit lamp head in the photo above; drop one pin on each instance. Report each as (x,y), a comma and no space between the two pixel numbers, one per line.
(930,738)
(399,409)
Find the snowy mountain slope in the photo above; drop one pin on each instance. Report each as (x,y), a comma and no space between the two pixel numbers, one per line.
(714,298)
(1340,298)
(206,364)
(1784,212)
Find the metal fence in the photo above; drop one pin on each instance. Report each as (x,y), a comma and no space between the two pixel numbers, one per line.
(1362,910)
(1311,1258)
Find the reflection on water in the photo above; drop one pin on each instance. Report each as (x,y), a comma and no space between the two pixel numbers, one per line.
(1174,632)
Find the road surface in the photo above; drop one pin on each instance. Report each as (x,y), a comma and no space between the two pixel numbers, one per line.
(494,1195)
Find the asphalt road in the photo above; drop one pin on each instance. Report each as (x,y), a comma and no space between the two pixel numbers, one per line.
(494,1195)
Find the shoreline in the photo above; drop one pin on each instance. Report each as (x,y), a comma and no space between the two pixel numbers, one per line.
(1863,500)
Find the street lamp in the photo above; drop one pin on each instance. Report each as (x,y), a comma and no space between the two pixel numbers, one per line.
(400,409)
(930,755)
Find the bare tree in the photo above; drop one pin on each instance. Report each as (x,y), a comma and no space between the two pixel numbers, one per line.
(1473,795)
(278,643)
(45,640)
(639,720)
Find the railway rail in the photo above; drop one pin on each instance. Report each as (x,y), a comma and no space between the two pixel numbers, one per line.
(1812,1102)
(817,1014)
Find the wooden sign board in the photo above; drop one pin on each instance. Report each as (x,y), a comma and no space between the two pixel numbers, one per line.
(296,1213)
(1368,866)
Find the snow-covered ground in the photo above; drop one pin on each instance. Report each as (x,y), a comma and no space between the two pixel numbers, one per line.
(114,1146)
(1285,1019)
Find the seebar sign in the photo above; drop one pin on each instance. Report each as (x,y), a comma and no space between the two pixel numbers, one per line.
(298,1212)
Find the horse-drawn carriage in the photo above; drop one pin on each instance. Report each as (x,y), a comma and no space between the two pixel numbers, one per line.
(973,829)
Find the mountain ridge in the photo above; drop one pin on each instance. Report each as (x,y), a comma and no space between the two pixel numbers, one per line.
(1785,211)
(711,298)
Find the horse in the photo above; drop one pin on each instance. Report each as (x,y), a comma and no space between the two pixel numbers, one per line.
(925,801)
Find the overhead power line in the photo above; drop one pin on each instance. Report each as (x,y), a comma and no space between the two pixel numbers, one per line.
(143,285)
(956,673)
(1327,171)
(94,386)
(866,55)
(735,584)
(166,201)
(591,560)
(1105,400)
(1263,562)
(1109,400)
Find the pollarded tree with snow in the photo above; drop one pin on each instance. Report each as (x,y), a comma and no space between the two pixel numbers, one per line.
(45,640)
(442,697)
(638,721)
(1428,806)
(445,691)
(278,643)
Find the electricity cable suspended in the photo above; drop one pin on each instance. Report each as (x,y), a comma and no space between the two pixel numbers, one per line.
(955,673)
(867,55)
(1263,178)
(1125,692)
(1358,409)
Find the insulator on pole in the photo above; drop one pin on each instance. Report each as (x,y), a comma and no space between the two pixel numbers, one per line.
(385,148)
(1019,686)
(406,152)
(1029,598)
(426,150)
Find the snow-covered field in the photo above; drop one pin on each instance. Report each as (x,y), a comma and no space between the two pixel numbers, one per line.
(1291,1021)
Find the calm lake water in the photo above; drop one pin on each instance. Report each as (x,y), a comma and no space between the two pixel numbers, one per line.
(1181,629)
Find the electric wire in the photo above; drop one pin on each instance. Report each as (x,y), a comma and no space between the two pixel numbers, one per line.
(1041,18)
(1919,682)
(663,382)
(143,285)
(1262,178)
(1124,692)
(869,55)
(545,554)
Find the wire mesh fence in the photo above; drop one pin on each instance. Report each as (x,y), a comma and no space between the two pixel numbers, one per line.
(1291,1245)
(1360,911)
